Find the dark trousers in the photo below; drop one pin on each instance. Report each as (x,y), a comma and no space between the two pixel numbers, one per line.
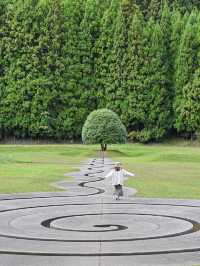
(118,190)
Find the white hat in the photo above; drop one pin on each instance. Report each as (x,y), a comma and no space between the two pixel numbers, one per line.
(117,164)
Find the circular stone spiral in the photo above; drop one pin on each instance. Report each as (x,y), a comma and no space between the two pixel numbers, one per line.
(85,221)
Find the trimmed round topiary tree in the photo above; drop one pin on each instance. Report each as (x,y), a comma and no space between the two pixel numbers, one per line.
(103,127)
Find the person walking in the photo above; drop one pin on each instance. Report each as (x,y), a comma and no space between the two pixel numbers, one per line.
(118,174)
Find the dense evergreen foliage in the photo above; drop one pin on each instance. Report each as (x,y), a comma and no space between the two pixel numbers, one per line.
(187,98)
(62,59)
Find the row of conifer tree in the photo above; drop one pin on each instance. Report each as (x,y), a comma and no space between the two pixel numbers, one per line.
(61,59)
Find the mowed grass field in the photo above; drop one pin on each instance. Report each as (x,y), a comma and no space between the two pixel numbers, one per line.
(164,170)
(29,168)
(170,171)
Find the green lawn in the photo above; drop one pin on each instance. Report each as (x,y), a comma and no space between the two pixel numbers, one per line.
(161,170)
(170,171)
(32,168)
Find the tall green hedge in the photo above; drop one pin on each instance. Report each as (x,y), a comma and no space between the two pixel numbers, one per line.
(62,59)
(187,100)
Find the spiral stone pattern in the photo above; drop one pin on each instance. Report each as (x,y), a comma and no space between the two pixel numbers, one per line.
(85,226)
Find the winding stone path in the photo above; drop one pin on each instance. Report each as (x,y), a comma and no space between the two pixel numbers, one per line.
(85,226)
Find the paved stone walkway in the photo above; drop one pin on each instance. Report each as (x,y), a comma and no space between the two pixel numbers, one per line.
(85,226)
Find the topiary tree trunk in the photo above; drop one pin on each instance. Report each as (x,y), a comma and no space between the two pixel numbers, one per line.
(103,147)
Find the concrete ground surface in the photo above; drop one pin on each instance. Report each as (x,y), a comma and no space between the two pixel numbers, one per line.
(84,225)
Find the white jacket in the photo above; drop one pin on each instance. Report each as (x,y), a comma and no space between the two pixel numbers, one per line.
(118,176)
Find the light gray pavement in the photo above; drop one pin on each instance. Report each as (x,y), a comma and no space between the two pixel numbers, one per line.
(85,226)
